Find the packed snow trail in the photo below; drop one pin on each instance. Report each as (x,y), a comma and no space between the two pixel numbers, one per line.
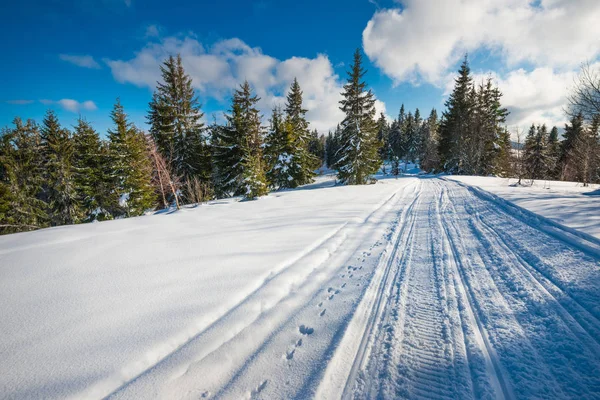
(483,305)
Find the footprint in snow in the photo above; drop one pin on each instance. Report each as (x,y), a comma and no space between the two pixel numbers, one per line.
(205,394)
(305,330)
(322,312)
(259,388)
(290,354)
(343,286)
(330,297)
(321,304)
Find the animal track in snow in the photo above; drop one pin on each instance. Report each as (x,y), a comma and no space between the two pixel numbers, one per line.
(259,388)
(322,312)
(321,304)
(343,286)
(305,330)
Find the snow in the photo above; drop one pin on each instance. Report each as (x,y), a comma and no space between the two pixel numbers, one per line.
(412,286)
(567,203)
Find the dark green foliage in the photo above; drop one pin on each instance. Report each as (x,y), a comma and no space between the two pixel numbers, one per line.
(535,157)
(316,147)
(282,161)
(21,179)
(130,167)
(90,174)
(429,159)
(295,116)
(59,187)
(175,123)
(237,145)
(359,149)
(383,137)
(471,131)
(504,159)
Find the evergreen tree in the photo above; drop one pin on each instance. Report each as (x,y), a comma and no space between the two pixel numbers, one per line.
(60,193)
(397,141)
(21,179)
(359,152)
(383,137)
(535,156)
(90,162)
(316,147)
(130,167)
(571,147)
(332,147)
(239,169)
(296,118)
(504,159)
(283,167)
(430,159)
(553,154)
(175,123)
(455,121)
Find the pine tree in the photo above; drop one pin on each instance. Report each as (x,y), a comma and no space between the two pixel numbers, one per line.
(397,141)
(455,121)
(296,117)
(131,168)
(90,162)
(237,145)
(60,193)
(570,148)
(536,153)
(430,158)
(504,159)
(21,179)
(383,137)
(283,167)
(175,119)
(316,147)
(359,153)
(553,154)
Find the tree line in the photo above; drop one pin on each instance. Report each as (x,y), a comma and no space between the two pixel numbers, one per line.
(51,175)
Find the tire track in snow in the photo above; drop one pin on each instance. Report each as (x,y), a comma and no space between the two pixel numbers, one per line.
(565,351)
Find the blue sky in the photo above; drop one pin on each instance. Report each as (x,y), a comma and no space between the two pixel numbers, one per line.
(77,57)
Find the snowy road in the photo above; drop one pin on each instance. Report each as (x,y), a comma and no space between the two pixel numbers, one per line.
(437,291)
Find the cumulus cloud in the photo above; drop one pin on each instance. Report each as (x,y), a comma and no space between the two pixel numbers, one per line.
(425,39)
(218,69)
(71,105)
(80,61)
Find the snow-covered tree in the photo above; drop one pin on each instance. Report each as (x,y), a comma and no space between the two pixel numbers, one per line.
(359,150)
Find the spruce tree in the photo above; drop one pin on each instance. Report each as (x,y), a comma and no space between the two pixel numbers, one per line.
(21,178)
(130,167)
(554,154)
(175,119)
(359,152)
(237,145)
(570,148)
(455,121)
(504,159)
(430,159)
(536,153)
(397,141)
(283,167)
(90,162)
(296,118)
(60,193)
(383,137)
(316,147)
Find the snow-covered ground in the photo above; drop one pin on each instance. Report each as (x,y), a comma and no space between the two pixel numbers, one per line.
(413,287)
(568,203)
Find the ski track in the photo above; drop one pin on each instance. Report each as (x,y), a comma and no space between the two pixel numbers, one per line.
(438,293)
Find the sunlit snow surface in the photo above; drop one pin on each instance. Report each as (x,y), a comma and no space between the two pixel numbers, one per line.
(410,287)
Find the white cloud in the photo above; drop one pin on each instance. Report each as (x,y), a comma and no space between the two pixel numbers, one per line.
(426,37)
(219,69)
(80,61)
(71,105)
